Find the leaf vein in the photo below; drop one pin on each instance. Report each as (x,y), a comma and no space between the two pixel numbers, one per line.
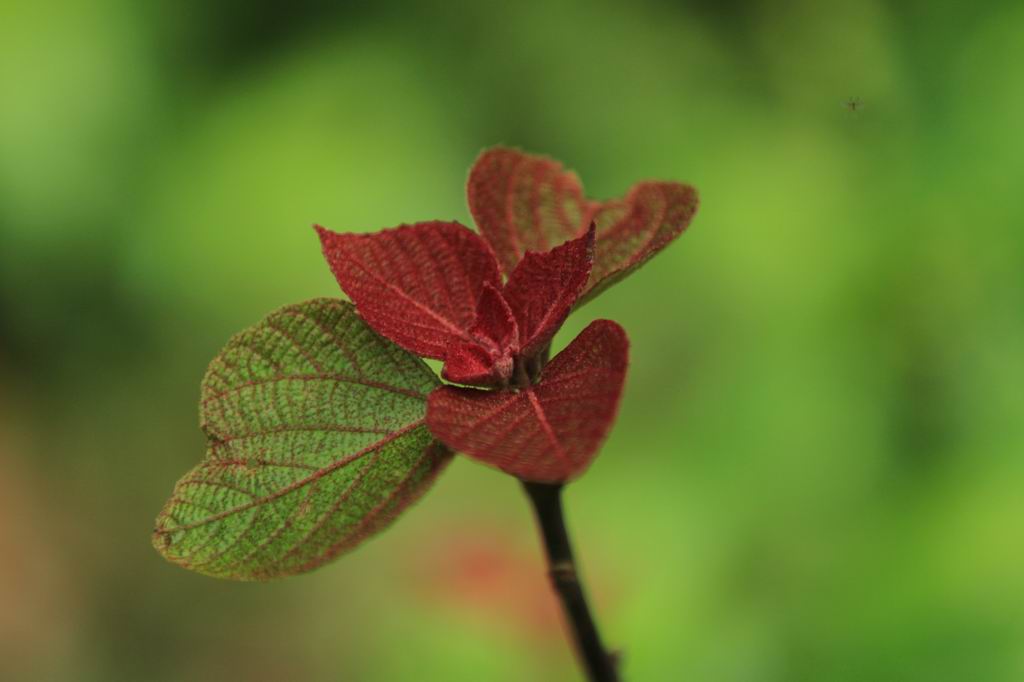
(319,473)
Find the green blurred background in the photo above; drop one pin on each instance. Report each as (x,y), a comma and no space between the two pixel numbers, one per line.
(817,471)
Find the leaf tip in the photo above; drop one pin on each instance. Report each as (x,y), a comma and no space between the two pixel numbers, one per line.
(326,237)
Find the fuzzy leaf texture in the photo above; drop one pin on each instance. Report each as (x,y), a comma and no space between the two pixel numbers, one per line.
(488,360)
(548,432)
(316,440)
(524,202)
(417,285)
(543,288)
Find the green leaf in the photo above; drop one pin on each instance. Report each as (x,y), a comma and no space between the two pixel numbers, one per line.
(316,441)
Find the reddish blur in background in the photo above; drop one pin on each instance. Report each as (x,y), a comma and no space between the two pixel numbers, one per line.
(817,472)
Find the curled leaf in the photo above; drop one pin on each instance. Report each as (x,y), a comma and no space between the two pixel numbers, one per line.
(488,359)
(316,441)
(548,432)
(632,230)
(418,285)
(527,202)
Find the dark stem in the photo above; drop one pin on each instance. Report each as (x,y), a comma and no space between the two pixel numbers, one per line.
(547,505)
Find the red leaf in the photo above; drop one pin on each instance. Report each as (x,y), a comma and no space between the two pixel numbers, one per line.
(631,231)
(495,319)
(526,202)
(488,359)
(418,285)
(472,364)
(543,288)
(522,202)
(548,432)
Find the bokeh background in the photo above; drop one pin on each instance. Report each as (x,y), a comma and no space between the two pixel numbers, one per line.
(817,471)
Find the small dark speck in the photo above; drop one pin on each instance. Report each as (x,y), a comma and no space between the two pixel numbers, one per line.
(853,104)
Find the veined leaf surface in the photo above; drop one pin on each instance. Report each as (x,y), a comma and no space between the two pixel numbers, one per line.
(548,432)
(544,286)
(316,440)
(525,202)
(418,285)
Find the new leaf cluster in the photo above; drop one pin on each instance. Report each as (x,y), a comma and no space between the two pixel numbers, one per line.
(322,424)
